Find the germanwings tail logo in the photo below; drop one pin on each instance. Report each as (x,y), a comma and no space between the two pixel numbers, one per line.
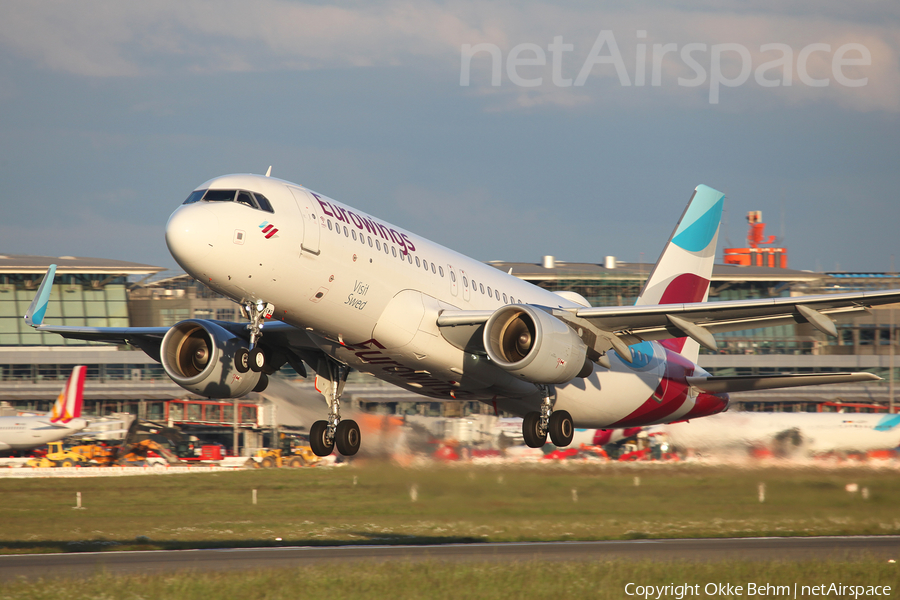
(268,229)
(68,404)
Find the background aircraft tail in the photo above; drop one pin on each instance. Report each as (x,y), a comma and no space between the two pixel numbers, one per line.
(684,268)
(68,404)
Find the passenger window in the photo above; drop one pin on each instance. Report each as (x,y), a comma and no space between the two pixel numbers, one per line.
(354,235)
(441,269)
(505,301)
(386,251)
(264,203)
(481,287)
(409,257)
(425,264)
(329,224)
(394,251)
(417,262)
(497,294)
(370,241)
(490,293)
(219,196)
(432,268)
(244,198)
(377,245)
(346,233)
(452,276)
(194,197)
(465,281)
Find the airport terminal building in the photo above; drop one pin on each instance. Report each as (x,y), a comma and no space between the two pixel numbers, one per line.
(103,292)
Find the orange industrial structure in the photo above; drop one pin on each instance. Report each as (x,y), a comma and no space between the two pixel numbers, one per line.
(753,255)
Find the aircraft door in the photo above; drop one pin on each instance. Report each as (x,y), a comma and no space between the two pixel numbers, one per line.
(308,209)
(454,283)
(465,285)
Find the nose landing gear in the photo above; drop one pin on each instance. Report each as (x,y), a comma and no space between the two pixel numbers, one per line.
(325,435)
(557,423)
(254,359)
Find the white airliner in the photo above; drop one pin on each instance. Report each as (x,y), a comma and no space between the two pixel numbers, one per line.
(786,433)
(338,289)
(63,420)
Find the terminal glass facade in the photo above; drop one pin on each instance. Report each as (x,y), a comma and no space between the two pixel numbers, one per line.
(75,300)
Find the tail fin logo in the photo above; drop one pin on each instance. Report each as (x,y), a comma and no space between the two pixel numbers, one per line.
(684,269)
(68,404)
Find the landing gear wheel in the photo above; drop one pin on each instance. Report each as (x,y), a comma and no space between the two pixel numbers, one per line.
(262,384)
(562,430)
(257,360)
(347,438)
(531,430)
(318,439)
(242,360)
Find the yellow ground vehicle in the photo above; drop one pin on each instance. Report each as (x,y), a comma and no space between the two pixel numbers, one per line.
(98,454)
(57,457)
(293,453)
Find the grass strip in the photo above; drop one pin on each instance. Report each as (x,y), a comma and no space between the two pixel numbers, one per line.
(375,503)
(435,580)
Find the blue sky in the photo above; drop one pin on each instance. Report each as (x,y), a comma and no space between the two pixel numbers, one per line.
(112,112)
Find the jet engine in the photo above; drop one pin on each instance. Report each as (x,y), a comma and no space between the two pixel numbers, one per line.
(534,345)
(199,356)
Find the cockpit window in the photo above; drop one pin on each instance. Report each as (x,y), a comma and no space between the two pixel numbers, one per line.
(264,203)
(246,198)
(194,197)
(219,196)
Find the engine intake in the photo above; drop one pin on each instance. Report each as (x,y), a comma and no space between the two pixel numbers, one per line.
(534,345)
(198,355)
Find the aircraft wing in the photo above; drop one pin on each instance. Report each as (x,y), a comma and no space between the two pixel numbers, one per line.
(279,336)
(739,383)
(625,325)
(656,322)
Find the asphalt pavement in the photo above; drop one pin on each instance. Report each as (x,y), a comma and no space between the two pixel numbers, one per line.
(699,550)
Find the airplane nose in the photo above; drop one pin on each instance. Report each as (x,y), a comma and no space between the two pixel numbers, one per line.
(190,234)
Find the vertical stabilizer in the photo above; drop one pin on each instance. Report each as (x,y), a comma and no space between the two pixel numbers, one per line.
(684,268)
(68,404)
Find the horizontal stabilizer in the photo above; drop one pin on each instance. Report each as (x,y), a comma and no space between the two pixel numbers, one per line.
(719,385)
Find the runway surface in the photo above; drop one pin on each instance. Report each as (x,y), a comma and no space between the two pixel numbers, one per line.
(700,550)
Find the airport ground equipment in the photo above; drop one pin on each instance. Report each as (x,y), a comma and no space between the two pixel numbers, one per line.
(58,457)
(293,453)
(138,453)
(98,454)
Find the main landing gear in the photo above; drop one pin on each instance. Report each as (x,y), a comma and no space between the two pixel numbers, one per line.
(557,423)
(325,435)
(254,359)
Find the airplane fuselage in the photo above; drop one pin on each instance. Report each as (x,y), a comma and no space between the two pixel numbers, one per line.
(24,433)
(787,432)
(368,293)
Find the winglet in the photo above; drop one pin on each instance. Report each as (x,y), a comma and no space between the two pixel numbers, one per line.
(34,316)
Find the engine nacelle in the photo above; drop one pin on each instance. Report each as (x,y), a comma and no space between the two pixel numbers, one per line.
(535,345)
(199,356)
